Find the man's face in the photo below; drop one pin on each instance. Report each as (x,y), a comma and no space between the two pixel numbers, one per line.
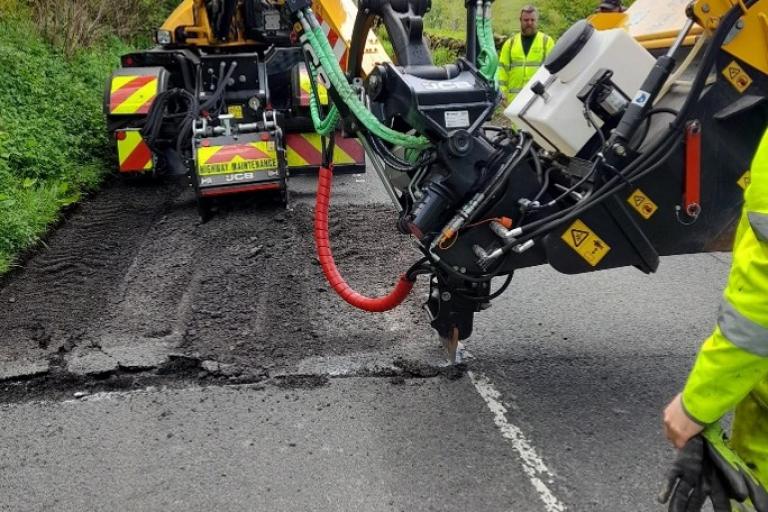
(528,23)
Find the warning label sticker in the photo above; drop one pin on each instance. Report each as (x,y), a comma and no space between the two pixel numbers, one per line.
(744,180)
(737,76)
(585,242)
(236,158)
(236,111)
(642,204)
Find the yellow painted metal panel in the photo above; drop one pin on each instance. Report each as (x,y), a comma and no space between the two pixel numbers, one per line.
(137,100)
(340,15)
(127,145)
(609,20)
(183,15)
(118,81)
(751,43)
(306,86)
(296,156)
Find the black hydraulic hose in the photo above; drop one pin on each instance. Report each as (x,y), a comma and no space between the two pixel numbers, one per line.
(575,209)
(544,184)
(595,199)
(219,88)
(588,116)
(575,186)
(501,177)
(182,62)
(393,160)
(418,268)
(657,153)
(465,292)
(647,124)
(536,163)
(153,121)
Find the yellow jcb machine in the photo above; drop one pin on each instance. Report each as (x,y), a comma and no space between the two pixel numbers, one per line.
(224,98)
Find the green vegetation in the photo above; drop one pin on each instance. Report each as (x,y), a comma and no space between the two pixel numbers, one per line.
(53,143)
(447,17)
(558,15)
(442,55)
(55,56)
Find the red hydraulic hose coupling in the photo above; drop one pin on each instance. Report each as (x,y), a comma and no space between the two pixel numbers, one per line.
(373,305)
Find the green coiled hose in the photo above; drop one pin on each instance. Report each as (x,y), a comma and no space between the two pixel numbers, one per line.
(322,126)
(487,59)
(319,43)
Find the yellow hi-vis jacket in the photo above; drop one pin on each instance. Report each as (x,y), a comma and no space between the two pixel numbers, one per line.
(734,361)
(515,67)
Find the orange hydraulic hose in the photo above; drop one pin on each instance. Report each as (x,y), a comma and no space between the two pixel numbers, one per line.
(340,286)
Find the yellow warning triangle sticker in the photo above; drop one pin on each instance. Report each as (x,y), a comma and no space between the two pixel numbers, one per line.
(744,180)
(579,236)
(585,242)
(734,72)
(638,199)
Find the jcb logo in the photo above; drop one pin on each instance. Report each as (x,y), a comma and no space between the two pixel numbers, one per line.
(446,86)
(240,176)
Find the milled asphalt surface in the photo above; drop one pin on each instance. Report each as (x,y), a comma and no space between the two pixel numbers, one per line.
(582,364)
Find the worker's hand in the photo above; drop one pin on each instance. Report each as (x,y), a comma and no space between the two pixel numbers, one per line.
(706,469)
(678,427)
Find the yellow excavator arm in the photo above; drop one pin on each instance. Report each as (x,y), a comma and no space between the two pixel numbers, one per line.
(191,18)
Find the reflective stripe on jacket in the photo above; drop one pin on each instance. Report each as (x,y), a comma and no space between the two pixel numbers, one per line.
(735,358)
(515,67)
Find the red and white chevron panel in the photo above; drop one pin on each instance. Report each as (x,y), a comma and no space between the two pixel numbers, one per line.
(337,43)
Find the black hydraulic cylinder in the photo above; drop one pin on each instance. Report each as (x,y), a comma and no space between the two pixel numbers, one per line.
(643,100)
(641,104)
(446,72)
(471,41)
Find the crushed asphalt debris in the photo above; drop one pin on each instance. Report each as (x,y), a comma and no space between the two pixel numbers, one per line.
(133,288)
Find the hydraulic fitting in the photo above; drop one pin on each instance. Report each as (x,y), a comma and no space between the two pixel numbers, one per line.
(508,235)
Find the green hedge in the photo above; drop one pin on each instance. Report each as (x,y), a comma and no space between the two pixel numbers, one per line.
(53,144)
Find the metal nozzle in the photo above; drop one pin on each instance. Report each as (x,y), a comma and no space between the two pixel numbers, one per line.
(485,259)
(508,235)
(523,247)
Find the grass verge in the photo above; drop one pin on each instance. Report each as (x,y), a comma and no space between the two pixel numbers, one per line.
(53,144)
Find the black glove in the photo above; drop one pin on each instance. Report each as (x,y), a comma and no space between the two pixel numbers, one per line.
(685,485)
(706,468)
(736,477)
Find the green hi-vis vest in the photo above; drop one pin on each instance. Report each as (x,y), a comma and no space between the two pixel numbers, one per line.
(734,360)
(515,67)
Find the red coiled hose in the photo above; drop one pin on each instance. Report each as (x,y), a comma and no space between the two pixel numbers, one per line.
(377,305)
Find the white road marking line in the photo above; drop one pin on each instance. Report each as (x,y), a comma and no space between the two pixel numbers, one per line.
(533,465)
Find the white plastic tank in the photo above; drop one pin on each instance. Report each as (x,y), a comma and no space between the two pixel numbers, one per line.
(555,118)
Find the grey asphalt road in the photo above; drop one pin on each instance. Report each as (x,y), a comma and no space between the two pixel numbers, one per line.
(588,362)
(560,411)
(355,444)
